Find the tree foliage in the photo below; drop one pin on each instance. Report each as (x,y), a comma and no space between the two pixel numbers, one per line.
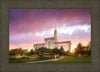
(62,52)
(56,51)
(31,52)
(89,48)
(83,50)
(17,51)
(79,49)
(42,51)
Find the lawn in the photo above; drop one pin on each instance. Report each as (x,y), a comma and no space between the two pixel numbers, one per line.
(14,59)
(73,59)
(66,59)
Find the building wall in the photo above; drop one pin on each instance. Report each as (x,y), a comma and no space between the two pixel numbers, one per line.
(52,43)
(66,46)
(38,46)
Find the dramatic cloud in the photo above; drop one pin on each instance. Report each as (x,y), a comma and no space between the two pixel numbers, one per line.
(29,26)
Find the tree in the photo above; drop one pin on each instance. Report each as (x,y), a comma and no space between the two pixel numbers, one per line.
(62,50)
(31,52)
(89,48)
(89,45)
(83,50)
(41,51)
(36,51)
(56,51)
(17,51)
(79,50)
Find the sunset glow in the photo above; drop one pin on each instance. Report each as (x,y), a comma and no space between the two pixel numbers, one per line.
(29,26)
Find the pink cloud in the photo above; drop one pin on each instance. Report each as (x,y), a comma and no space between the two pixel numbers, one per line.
(25,23)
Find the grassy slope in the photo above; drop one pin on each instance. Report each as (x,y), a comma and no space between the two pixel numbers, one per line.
(13,59)
(73,59)
(66,59)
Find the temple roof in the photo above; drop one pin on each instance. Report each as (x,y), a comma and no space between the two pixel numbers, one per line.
(50,38)
(62,42)
(39,44)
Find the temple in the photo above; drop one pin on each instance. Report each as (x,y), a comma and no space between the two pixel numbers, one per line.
(53,42)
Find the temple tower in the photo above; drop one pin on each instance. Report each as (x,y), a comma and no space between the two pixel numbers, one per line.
(55,34)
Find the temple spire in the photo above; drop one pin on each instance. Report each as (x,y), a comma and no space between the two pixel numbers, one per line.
(55,25)
(55,34)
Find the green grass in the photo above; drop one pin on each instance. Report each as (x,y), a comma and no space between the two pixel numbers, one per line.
(73,59)
(13,59)
(66,59)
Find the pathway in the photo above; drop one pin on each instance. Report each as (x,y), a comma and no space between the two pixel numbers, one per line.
(47,60)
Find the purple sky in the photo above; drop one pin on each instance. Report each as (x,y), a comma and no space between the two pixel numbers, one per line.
(29,26)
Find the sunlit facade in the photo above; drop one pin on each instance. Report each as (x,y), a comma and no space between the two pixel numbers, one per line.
(52,42)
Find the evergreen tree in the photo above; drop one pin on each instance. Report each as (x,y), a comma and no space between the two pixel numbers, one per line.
(89,48)
(31,52)
(79,49)
(62,50)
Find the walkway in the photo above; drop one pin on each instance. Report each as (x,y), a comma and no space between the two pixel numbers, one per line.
(47,60)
